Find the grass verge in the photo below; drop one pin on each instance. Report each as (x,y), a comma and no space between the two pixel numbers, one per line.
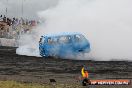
(14,84)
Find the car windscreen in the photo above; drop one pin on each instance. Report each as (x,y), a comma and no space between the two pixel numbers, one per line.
(79,38)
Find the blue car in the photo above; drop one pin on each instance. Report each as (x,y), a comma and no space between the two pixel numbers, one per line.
(63,45)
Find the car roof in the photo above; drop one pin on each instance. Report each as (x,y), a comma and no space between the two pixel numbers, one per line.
(62,34)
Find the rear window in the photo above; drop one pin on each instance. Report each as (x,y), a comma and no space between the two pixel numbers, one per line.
(42,40)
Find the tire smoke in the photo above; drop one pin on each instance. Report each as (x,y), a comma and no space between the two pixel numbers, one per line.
(105,23)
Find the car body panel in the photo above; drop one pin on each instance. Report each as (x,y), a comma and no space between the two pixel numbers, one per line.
(64,44)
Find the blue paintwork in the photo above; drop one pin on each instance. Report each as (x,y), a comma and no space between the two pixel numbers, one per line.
(59,49)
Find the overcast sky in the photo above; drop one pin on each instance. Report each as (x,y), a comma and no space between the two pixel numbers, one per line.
(30,7)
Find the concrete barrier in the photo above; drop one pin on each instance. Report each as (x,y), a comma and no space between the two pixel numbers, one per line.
(7,42)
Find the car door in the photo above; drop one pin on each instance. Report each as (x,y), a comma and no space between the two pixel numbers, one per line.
(66,45)
(52,47)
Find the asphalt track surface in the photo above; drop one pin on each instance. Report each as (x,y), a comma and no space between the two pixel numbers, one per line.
(40,70)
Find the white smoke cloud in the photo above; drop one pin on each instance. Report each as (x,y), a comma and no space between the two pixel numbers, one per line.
(28,45)
(30,7)
(2,7)
(105,23)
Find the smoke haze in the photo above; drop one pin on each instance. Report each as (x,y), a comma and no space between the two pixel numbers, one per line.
(30,7)
(2,6)
(107,24)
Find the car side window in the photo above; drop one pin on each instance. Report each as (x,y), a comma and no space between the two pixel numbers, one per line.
(64,39)
(52,40)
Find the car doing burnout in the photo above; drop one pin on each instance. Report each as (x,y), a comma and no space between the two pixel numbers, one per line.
(63,45)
